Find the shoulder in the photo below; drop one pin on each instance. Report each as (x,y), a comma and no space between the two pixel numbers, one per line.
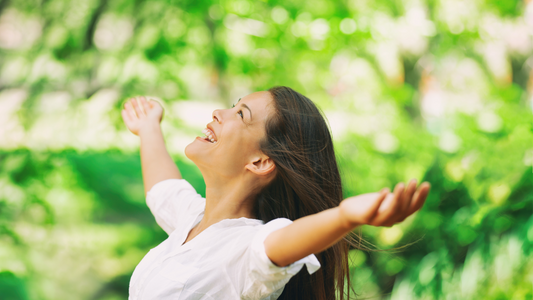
(170,185)
(245,237)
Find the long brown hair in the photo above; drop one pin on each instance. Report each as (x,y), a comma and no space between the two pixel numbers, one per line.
(307,181)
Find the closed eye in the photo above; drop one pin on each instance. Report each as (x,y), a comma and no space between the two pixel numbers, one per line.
(239,112)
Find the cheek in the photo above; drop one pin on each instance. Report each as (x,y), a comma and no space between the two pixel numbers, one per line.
(239,148)
(235,147)
(249,146)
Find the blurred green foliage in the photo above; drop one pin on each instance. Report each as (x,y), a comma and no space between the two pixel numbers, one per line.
(438,90)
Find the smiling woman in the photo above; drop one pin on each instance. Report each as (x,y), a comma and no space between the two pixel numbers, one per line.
(237,133)
(273,204)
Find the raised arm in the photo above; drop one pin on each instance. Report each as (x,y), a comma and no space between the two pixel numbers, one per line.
(142,118)
(315,233)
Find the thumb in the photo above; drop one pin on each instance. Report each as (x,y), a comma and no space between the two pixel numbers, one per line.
(155,104)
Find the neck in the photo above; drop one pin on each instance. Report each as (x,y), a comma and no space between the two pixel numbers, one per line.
(227,198)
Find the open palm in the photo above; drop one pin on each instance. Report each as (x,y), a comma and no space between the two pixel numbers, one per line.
(384,208)
(140,113)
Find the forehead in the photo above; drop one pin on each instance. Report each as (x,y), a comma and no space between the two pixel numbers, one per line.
(260,103)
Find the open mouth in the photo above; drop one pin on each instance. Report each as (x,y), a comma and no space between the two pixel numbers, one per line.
(209,135)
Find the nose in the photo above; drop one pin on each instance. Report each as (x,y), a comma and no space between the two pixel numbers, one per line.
(216,115)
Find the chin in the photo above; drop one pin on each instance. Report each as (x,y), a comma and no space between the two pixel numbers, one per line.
(189,151)
(195,151)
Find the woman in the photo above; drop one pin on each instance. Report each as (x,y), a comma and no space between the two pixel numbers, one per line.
(273,204)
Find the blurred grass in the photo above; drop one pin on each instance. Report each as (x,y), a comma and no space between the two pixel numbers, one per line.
(435,90)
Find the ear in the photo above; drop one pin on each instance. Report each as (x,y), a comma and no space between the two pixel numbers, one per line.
(262,165)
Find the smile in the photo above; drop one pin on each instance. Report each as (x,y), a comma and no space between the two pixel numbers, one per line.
(209,135)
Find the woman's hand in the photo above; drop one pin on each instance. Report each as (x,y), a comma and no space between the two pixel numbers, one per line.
(139,114)
(384,208)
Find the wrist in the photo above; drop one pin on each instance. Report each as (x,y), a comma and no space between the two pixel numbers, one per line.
(344,217)
(149,129)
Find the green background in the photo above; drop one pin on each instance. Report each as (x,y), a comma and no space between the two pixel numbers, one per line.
(435,90)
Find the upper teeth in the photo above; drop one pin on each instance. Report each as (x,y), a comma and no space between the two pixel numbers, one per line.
(210,135)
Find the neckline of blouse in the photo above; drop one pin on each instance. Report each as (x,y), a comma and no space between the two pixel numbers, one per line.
(222,223)
(238,221)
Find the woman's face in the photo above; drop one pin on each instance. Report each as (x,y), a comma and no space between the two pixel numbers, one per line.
(237,132)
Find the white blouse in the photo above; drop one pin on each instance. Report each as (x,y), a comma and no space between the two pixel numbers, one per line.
(225,261)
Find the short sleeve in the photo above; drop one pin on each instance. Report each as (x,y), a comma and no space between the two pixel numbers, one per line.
(174,203)
(264,278)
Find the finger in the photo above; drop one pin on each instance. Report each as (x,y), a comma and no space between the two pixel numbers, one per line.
(420,197)
(155,103)
(407,198)
(395,210)
(145,105)
(403,202)
(126,117)
(377,203)
(130,110)
(390,214)
(137,108)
